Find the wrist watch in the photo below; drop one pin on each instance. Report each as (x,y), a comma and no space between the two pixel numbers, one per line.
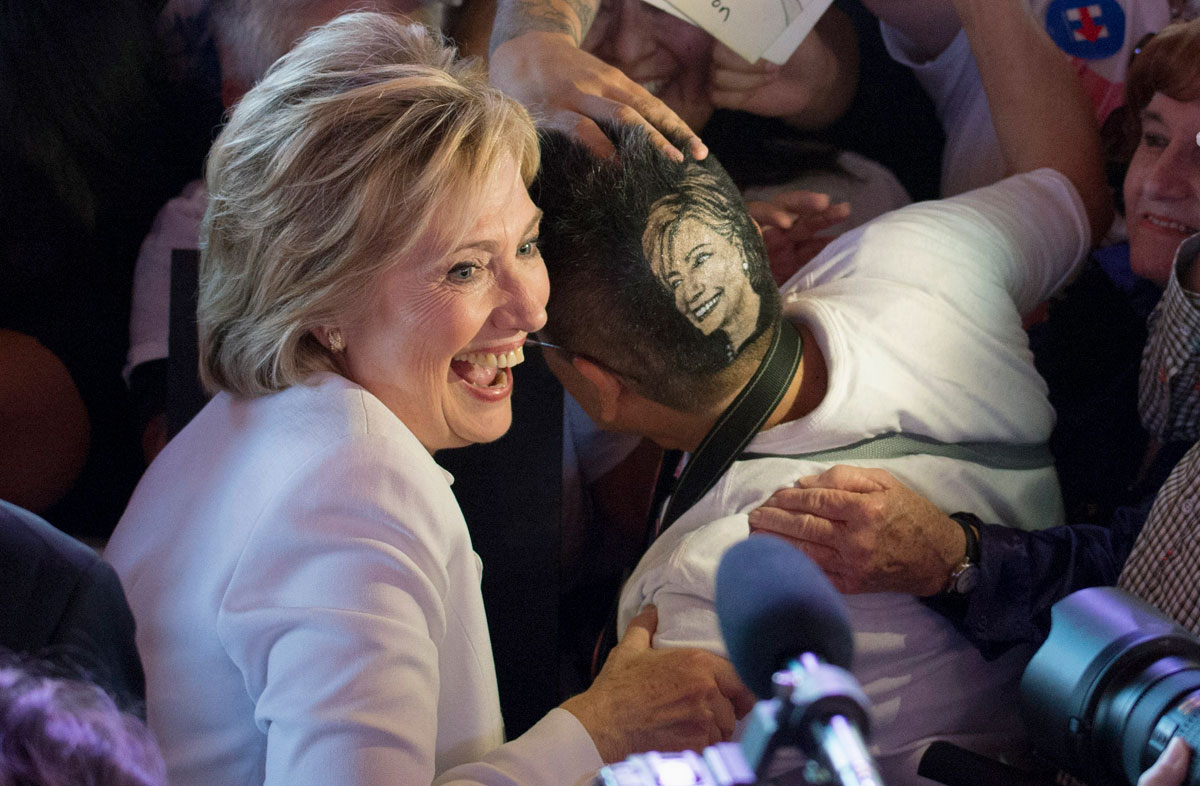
(965,574)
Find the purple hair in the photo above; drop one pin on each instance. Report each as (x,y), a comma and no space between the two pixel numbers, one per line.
(60,732)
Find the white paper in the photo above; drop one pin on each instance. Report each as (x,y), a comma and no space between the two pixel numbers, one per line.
(799,27)
(770,29)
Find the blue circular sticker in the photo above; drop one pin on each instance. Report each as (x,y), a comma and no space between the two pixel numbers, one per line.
(1091,31)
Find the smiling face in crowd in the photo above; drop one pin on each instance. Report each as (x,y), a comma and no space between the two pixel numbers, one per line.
(665,54)
(437,344)
(1162,187)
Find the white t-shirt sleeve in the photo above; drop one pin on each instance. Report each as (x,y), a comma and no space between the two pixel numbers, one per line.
(971,157)
(1026,235)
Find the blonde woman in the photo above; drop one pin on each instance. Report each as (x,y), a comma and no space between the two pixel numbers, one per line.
(304,586)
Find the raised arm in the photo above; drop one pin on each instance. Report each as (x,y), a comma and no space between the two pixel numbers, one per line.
(1041,115)
(535,57)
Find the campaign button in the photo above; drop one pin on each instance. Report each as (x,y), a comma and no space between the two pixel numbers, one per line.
(1090,31)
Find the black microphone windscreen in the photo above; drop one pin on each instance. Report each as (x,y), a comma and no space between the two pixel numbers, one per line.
(774,604)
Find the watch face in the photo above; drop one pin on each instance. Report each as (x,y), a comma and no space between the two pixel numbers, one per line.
(966,580)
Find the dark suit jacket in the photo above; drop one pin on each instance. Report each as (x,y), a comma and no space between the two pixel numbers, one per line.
(61,602)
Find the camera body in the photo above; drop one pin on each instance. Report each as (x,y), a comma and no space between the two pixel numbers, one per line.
(1113,683)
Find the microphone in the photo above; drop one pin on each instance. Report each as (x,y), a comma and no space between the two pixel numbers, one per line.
(788,635)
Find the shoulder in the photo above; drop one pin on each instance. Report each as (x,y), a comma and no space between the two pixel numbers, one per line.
(27,538)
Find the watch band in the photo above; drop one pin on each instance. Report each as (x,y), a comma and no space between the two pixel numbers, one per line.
(966,573)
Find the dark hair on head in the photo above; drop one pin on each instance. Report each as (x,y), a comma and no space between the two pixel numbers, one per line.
(606,302)
(62,732)
(1169,63)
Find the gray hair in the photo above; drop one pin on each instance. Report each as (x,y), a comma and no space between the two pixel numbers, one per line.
(363,146)
(252,34)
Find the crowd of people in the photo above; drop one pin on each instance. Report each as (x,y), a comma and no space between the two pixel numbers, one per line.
(924,301)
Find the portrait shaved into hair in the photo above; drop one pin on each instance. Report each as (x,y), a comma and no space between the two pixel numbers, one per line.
(656,268)
(694,249)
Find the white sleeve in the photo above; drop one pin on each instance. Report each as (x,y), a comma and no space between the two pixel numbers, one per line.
(971,156)
(1026,234)
(335,614)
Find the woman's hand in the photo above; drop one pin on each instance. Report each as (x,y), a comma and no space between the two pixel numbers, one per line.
(790,224)
(811,90)
(666,700)
(1171,767)
(866,530)
(567,89)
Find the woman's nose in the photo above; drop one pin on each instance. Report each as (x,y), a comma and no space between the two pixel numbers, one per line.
(1169,177)
(526,291)
(693,289)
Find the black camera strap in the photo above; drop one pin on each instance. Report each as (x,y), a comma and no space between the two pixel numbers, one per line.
(735,427)
(675,492)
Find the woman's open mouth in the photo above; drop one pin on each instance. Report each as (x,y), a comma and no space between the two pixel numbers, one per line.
(704,309)
(486,369)
(1164,224)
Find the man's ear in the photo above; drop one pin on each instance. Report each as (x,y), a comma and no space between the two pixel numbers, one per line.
(609,388)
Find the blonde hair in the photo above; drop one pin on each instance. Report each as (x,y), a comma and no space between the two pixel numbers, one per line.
(363,146)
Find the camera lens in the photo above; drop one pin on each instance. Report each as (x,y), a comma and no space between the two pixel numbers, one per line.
(1139,715)
(1113,683)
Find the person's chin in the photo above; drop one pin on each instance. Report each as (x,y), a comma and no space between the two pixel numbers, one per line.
(1151,257)
(478,419)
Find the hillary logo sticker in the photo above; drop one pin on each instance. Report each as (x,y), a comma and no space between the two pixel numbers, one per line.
(1091,31)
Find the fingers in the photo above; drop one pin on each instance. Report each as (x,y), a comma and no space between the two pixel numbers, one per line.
(823,503)
(615,111)
(789,514)
(862,480)
(570,89)
(1171,767)
(733,80)
(732,688)
(583,129)
(802,202)
(640,630)
(769,215)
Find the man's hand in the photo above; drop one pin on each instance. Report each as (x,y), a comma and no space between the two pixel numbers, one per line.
(790,224)
(567,89)
(866,530)
(669,700)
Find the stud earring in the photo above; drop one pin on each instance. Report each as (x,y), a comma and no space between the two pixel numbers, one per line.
(746,265)
(336,344)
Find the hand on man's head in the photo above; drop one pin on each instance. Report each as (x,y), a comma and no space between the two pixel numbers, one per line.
(568,89)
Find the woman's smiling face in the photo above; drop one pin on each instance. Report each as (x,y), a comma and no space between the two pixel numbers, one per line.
(1162,186)
(437,343)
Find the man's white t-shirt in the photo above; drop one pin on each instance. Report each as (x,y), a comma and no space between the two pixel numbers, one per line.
(918,315)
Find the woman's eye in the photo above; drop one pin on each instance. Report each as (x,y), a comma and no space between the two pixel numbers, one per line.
(464,271)
(700,259)
(1154,140)
(528,248)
